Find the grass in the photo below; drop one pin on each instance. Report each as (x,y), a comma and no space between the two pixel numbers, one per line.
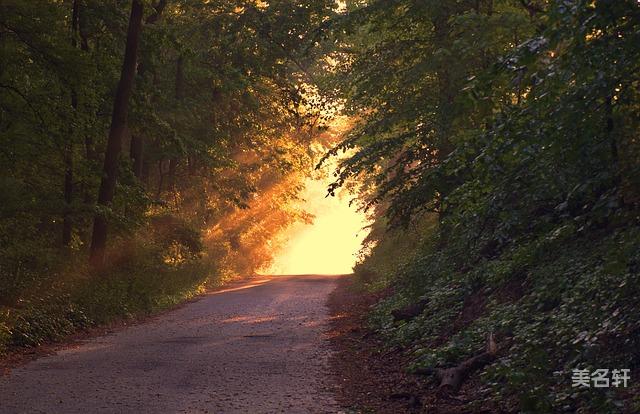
(69,297)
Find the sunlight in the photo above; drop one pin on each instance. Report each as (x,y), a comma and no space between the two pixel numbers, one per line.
(330,244)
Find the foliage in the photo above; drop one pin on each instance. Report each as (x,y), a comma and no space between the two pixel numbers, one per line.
(142,279)
(215,150)
(516,123)
(560,303)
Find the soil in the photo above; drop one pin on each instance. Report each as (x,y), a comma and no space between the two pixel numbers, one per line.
(372,377)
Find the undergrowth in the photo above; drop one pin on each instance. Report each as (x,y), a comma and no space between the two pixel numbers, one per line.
(143,274)
(555,302)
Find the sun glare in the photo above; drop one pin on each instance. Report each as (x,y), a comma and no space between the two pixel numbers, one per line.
(330,244)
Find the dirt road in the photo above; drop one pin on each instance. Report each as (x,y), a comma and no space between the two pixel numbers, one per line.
(254,348)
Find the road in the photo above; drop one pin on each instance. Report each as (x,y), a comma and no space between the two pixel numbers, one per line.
(258,347)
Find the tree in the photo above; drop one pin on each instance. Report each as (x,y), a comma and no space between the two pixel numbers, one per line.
(214,101)
(116,134)
(400,75)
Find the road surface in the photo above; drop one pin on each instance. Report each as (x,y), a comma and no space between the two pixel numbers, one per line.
(253,348)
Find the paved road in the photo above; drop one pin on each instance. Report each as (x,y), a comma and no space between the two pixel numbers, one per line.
(254,348)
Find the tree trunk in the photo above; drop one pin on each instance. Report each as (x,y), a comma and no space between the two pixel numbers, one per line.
(137,153)
(451,379)
(180,78)
(410,311)
(160,180)
(136,150)
(89,151)
(157,14)
(173,161)
(609,128)
(145,174)
(116,133)
(192,165)
(82,29)
(67,225)
(173,164)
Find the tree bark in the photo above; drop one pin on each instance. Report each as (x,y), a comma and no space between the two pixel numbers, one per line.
(82,36)
(173,161)
(67,224)
(410,311)
(173,164)
(609,128)
(136,150)
(157,14)
(180,78)
(136,153)
(160,180)
(451,379)
(82,27)
(116,133)
(84,46)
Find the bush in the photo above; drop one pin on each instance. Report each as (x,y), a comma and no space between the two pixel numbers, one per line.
(144,275)
(561,302)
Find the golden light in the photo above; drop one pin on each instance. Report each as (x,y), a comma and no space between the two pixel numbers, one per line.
(328,245)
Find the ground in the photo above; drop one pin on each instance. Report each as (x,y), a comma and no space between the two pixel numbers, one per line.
(258,347)
(283,344)
(372,377)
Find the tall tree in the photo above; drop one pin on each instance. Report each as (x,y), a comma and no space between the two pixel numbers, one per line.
(67,225)
(116,134)
(398,68)
(136,148)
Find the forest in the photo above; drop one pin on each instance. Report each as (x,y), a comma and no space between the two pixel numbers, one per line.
(151,150)
(136,135)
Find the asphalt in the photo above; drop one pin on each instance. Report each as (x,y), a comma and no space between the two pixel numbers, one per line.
(259,347)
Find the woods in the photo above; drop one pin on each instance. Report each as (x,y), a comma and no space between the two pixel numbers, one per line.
(149,149)
(152,149)
(116,132)
(498,146)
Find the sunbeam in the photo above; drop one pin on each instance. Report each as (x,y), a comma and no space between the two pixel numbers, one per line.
(328,245)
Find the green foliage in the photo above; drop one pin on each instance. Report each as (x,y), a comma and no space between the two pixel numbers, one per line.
(559,304)
(147,274)
(400,75)
(527,148)
(379,261)
(221,117)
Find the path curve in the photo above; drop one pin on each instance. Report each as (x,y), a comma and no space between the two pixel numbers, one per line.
(254,348)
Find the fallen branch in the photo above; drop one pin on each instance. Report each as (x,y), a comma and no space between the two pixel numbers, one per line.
(451,379)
